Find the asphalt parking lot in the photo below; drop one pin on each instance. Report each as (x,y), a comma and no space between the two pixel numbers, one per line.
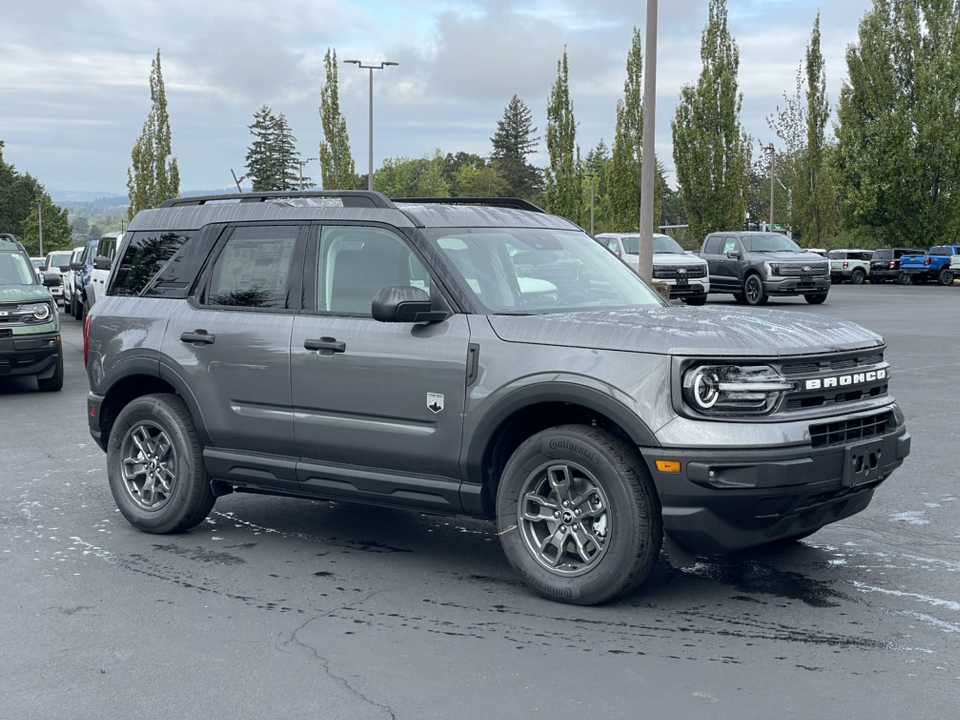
(282,608)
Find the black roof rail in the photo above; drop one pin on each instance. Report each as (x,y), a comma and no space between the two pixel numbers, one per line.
(502,202)
(350,198)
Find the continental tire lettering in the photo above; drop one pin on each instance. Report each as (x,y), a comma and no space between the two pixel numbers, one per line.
(560,444)
(566,593)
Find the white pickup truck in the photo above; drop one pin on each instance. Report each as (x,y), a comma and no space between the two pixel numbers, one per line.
(955,266)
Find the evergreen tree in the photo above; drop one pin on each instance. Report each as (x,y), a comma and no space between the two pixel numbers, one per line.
(338,171)
(512,144)
(710,150)
(564,176)
(273,162)
(898,154)
(154,176)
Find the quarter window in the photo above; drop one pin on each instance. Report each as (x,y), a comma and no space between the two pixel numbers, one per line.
(144,257)
(253,269)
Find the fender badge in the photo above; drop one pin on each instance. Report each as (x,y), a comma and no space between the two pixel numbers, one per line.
(435,402)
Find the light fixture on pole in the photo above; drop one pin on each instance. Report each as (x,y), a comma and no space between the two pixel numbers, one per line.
(301,163)
(371,68)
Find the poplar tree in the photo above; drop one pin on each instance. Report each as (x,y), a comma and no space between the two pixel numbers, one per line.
(710,150)
(627,158)
(816,196)
(154,176)
(898,153)
(337,168)
(564,175)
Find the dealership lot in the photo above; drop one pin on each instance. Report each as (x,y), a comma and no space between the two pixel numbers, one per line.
(285,608)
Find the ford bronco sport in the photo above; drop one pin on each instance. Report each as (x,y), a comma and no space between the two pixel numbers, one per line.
(477,358)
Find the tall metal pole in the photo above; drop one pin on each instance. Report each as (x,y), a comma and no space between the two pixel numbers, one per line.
(40,223)
(773,162)
(371,68)
(591,204)
(648,173)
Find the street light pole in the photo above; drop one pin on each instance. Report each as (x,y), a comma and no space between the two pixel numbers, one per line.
(773,161)
(371,68)
(301,163)
(648,172)
(40,222)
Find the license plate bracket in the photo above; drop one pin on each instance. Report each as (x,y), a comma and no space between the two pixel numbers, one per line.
(863,463)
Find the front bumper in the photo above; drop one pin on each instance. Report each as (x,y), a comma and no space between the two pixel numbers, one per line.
(685,288)
(797,285)
(724,500)
(35,354)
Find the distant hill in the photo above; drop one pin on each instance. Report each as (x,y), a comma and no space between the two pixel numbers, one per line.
(93,203)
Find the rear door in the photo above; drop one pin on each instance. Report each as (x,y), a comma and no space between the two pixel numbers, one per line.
(378,407)
(727,272)
(230,343)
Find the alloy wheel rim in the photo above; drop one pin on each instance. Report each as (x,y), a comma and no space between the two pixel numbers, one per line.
(564,518)
(148,465)
(753,290)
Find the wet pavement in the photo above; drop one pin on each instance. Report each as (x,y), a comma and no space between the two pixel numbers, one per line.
(281,608)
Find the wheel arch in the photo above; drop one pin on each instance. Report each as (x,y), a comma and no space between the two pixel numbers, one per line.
(527,411)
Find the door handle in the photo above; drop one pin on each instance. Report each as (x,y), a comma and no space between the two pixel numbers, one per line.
(198,337)
(325,345)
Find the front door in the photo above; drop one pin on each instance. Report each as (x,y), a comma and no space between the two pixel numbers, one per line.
(389,393)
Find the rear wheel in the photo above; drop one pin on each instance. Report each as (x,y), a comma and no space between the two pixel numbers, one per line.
(578,515)
(815,299)
(753,290)
(945,277)
(155,467)
(858,277)
(918,279)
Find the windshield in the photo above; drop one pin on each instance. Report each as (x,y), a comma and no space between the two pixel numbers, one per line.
(525,271)
(769,242)
(16,270)
(57,259)
(662,245)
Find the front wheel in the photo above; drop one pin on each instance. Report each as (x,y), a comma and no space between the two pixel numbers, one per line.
(578,515)
(815,299)
(753,290)
(945,277)
(155,467)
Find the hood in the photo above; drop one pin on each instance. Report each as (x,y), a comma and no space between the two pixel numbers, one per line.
(695,331)
(670,259)
(23,293)
(791,257)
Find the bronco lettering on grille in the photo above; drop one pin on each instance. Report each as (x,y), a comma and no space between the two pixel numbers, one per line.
(845,380)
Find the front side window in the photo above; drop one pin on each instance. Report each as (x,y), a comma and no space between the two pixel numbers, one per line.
(730,245)
(253,269)
(357,262)
(528,271)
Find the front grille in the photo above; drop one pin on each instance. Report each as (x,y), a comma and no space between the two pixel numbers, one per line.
(850,430)
(847,363)
(812,270)
(696,271)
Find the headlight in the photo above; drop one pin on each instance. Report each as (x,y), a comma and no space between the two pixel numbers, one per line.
(40,311)
(771,268)
(726,390)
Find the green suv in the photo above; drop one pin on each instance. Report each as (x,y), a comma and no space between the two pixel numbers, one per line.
(29,326)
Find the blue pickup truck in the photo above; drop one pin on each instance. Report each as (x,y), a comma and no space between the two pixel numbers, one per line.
(935,265)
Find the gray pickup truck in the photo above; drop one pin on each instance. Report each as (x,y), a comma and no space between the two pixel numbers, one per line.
(753,266)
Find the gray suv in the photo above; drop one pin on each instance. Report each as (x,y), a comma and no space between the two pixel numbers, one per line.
(483,359)
(755,265)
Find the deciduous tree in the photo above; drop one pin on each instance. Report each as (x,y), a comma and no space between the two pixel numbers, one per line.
(337,168)
(564,176)
(154,175)
(710,150)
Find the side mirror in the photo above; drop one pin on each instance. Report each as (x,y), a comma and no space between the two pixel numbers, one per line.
(76,267)
(64,268)
(405,304)
(101,263)
(51,280)
(734,255)
(42,268)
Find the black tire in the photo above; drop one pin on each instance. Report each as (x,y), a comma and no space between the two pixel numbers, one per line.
(903,279)
(54,383)
(696,300)
(918,279)
(945,277)
(155,466)
(858,276)
(560,476)
(77,310)
(753,293)
(84,309)
(816,299)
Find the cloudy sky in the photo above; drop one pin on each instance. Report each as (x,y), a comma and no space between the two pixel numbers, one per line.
(74,74)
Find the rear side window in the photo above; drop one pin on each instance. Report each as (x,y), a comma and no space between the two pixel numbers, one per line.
(712,246)
(107,248)
(144,257)
(253,270)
